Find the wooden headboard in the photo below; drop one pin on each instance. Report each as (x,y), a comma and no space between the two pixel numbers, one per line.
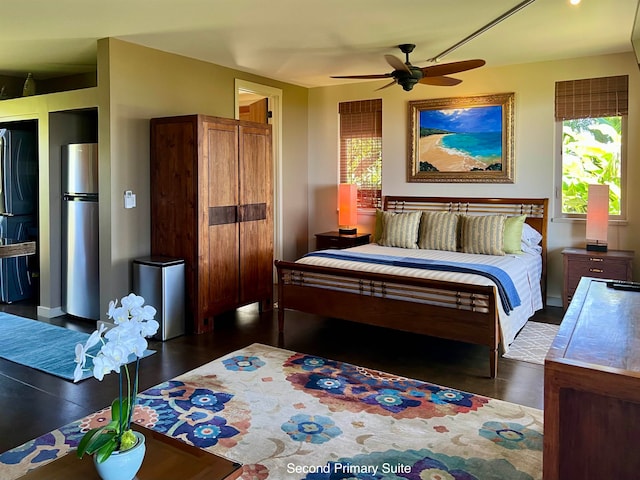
(536,210)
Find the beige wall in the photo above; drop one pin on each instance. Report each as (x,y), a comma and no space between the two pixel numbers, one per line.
(135,84)
(535,145)
(143,83)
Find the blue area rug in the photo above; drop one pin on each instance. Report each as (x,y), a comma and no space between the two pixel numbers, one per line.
(39,345)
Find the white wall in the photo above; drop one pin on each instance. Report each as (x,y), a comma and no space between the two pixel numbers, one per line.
(533,85)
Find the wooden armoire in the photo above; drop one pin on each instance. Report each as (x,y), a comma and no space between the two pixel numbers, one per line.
(211,205)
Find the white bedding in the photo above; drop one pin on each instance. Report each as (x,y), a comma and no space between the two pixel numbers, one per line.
(524,269)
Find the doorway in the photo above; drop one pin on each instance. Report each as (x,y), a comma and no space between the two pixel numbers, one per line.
(257,102)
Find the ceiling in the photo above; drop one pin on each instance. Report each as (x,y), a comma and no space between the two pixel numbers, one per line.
(304,42)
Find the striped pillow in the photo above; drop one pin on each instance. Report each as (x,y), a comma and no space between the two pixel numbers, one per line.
(439,231)
(400,229)
(483,234)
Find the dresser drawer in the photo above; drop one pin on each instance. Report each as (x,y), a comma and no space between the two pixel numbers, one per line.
(578,263)
(599,267)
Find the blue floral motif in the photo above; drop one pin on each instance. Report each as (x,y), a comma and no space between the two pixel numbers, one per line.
(311,428)
(432,468)
(362,389)
(391,400)
(329,384)
(205,399)
(243,363)
(206,435)
(311,363)
(456,397)
(512,435)
(46,446)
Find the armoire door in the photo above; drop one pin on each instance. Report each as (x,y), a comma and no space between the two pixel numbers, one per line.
(255,212)
(219,191)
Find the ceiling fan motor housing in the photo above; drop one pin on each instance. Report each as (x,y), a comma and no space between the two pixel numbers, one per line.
(408,80)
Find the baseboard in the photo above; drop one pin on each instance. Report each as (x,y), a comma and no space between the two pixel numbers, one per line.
(47,312)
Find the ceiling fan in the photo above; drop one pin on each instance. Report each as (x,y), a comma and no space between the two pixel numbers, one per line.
(408,75)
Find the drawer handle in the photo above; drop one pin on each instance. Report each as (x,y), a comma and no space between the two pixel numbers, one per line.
(595,259)
(596,270)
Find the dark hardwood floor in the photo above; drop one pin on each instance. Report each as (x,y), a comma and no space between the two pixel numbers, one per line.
(33,403)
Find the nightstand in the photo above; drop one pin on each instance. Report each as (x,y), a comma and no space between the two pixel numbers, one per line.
(334,240)
(578,263)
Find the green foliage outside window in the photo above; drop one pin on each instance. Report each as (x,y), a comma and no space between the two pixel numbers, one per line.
(591,153)
(364,168)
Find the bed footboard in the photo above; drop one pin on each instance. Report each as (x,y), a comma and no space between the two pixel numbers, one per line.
(448,310)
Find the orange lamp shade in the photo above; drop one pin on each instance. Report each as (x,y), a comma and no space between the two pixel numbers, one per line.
(597,217)
(347,205)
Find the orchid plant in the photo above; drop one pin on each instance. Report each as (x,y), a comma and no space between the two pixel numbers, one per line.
(133,322)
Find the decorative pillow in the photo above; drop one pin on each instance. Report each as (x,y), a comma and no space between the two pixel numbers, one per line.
(400,229)
(439,231)
(377,230)
(513,234)
(483,234)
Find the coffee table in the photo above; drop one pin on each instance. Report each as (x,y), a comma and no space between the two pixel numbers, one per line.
(165,457)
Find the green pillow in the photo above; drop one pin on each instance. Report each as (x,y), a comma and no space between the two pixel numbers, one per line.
(377,230)
(513,234)
(483,234)
(400,229)
(439,231)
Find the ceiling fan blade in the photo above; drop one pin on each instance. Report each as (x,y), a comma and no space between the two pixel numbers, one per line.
(396,63)
(386,86)
(440,81)
(381,75)
(453,67)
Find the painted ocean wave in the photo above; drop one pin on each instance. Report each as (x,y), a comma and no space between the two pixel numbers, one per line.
(485,146)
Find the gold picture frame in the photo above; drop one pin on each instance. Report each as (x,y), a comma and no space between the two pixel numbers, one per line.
(463,139)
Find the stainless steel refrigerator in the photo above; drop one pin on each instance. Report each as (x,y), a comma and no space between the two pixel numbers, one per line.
(18,200)
(80,236)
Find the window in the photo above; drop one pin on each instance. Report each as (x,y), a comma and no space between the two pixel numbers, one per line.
(361,149)
(591,116)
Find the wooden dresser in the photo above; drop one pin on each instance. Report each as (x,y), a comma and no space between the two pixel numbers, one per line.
(592,387)
(578,263)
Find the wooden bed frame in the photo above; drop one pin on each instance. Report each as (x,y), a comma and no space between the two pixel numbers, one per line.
(457,311)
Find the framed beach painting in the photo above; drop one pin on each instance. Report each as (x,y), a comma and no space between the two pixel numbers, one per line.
(465,139)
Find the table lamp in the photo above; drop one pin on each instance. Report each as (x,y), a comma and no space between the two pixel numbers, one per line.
(597,218)
(347,208)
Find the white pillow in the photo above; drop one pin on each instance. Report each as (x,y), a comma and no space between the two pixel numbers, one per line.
(530,236)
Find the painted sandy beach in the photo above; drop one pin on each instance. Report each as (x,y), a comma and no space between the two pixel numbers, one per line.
(443,159)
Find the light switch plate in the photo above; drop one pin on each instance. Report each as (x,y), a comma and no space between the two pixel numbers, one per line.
(129,199)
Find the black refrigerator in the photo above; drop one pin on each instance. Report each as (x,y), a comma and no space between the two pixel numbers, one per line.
(18,203)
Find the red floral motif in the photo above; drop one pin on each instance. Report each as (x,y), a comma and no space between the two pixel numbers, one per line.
(255,471)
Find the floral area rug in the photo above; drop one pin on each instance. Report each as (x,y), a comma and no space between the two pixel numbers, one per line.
(287,415)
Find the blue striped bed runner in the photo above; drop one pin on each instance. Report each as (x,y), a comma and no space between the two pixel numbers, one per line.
(506,289)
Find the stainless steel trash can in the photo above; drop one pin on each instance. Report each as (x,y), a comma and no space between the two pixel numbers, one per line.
(160,280)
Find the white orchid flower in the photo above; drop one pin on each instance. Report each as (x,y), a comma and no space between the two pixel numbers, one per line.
(112,306)
(132,301)
(77,373)
(81,355)
(143,313)
(94,338)
(120,315)
(117,353)
(150,327)
(101,366)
